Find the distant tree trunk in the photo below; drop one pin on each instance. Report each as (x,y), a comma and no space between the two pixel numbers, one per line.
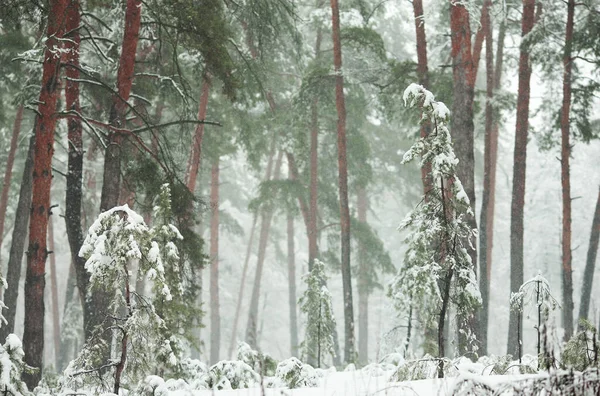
(265,227)
(462,126)
(568,305)
(363,283)
(590,264)
(519,166)
(484,222)
(292,286)
(33,333)
(294,175)
(8,170)
(215,319)
(17,244)
(194,161)
(349,352)
(54,290)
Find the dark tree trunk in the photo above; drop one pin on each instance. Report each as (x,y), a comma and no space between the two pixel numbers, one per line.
(519,167)
(17,245)
(9,168)
(194,162)
(215,319)
(568,305)
(265,227)
(291,255)
(590,264)
(484,222)
(33,333)
(54,290)
(304,209)
(462,126)
(363,284)
(349,352)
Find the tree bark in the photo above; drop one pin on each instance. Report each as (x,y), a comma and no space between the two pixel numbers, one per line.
(17,244)
(484,222)
(265,227)
(568,305)
(33,333)
(215,319)
(363,284)
(291,256)
(349,352)
(8,171)
(194,162)
(519,168)
(54,290)
(590,264)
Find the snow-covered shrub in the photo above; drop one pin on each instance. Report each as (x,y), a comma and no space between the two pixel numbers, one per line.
(260,362)
(315,303)
(11,366)
(412,370)
(583,349)
(152,385)
(295,374)
(232,374)
(194,372)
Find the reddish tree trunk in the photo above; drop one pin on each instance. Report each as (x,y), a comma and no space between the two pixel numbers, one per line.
(291,256)
(312,232)
(215,320)
(343,184)
(568,305)
(363,284)
(590,264)
(8,171)
(54,290)
(265,227)
(194,162)
(519,167)
(484,222)
(33,334)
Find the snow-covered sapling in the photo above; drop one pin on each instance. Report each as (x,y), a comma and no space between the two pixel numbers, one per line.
(437,267)
(315,303)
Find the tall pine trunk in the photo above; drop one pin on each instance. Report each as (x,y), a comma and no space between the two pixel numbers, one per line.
(568,305)
(363,283)
(515,326)
(17,245)
(215,319)
(33,333)
(590,264)
(54,294)
(291,256)
(265,227)
(484,222)
(196,154)
(349,352)
(9,168)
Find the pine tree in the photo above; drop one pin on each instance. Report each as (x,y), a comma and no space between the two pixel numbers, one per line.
(315,303)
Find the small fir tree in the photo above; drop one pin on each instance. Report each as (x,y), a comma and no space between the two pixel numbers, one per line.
(315,303)
(437,268)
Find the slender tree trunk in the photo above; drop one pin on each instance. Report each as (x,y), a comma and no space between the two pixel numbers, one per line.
(349,352)
(590,264)
(304,209)
(8,171)
(265,227)
(568,305)
(194,162)
(33,334)
(54,290)
(484,223)
(363,283)
(291,255)
(519,168)
(17,245)
(462,127)
(215,319)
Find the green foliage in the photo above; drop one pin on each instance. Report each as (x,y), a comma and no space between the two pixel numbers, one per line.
(295,374)
(260,362)
(282,195)
(232,374)
(582,351)
(372,251)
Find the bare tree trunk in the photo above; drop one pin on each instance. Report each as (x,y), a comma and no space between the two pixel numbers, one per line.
(33,334)
(363,283)
(292,286)
(195,156)
(519,167)
(484,223)
(265,227)
(590,264)
(349,351)
(568,305)
(17,245)
(8,170)
(54,290)
(215,319)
